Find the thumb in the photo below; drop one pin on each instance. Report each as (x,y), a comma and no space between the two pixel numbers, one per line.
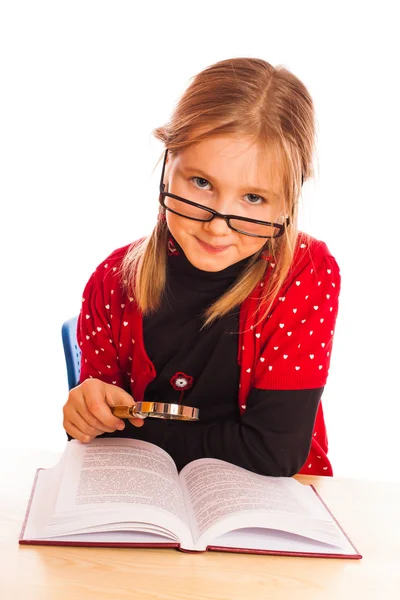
(116,396)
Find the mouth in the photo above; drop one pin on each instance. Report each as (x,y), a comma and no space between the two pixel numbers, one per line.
(211,248)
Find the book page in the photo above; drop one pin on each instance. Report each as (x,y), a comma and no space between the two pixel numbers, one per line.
(121,470)
(219,492)
(271,541)
(116,481)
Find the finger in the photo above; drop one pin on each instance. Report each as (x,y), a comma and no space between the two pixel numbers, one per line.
(77,434)
(94,422)
(136,422)
(80,423)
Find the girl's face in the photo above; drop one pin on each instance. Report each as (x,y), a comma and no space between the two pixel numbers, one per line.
(232,176)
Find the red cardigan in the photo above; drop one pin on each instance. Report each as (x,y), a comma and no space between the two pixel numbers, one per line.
(291,349)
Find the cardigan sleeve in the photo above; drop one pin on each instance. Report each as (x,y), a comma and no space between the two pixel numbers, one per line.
(296,340)
(98,324)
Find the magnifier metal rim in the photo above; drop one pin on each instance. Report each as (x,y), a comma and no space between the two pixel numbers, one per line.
(164,410)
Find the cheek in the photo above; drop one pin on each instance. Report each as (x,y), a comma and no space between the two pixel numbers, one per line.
(178,226)
(173,224)
(251,245)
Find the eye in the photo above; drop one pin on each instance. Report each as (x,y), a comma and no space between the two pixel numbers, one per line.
(200,182)
(255,199)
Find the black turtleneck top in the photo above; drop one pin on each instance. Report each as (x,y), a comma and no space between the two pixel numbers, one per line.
(198,367)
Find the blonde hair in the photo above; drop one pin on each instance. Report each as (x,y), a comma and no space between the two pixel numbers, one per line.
(271,106)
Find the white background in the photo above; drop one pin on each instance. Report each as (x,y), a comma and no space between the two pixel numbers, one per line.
(82,86)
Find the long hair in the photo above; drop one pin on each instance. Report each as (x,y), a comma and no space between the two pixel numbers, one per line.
(272,107)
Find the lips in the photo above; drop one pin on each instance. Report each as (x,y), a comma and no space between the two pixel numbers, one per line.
(211,247)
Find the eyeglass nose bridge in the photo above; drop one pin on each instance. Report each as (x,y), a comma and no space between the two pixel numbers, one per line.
(215,214)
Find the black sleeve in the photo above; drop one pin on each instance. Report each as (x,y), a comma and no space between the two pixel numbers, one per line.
(272,437)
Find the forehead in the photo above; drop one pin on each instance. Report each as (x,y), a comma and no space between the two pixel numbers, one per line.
(236,160)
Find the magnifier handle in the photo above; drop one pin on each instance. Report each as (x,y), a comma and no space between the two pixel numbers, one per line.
(126,412)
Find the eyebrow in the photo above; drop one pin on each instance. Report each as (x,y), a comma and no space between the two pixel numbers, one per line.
(254,189)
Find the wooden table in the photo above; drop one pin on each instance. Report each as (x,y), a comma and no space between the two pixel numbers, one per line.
(368,511)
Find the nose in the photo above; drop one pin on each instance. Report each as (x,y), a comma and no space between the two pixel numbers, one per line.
(217,227)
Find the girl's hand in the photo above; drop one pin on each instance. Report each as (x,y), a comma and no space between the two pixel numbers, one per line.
(87,411)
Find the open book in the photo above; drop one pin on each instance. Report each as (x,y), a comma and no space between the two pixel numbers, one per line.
(125,492)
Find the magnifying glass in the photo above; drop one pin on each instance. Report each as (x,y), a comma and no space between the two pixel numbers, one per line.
(157,410)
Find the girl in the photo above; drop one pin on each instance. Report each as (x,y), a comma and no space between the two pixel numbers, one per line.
(225,307)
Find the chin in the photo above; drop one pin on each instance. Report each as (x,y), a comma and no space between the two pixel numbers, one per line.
(209,263)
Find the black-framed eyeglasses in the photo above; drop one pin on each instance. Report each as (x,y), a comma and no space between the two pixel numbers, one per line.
(197,212)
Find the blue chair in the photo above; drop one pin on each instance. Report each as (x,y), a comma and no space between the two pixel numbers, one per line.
(72,351)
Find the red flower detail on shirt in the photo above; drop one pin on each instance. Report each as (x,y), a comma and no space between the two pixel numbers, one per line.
(181,381)
(171,248)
